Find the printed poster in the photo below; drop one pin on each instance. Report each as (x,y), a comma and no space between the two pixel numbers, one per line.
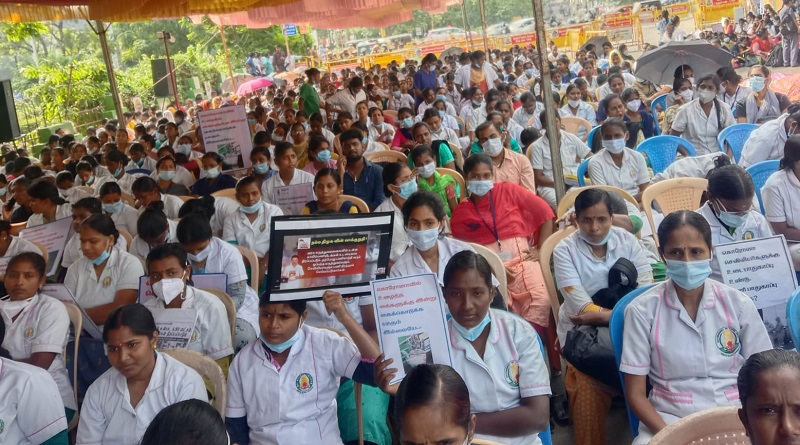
(226,132)
(292,198)
(53,236)
(61,293)
(175,327)
(218,281)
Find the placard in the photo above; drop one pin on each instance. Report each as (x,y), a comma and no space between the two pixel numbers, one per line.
(226,132)
(175,327)
(53,236)
(62,293)
(218,281)
(412,323)
(341,252)
(761,268)
(293,198)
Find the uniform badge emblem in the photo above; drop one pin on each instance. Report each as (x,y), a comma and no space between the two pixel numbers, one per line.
(304,383)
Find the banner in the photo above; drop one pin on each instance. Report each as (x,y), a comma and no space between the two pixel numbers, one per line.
(175,327)
(342,252)
(218,281)
(292,198)
(61,293)
(412,322)
(226,132)
(53,236)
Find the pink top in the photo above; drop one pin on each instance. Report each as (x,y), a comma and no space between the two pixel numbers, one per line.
(310,167)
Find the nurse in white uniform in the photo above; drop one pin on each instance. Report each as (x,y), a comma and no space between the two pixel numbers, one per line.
(123,215)
(145,190)
(282,387)
(781,197)
(81,210)
(12,245)
(154,229)
(46,204)
(31,409)
(729,210)
(766,142)
(120,405)
(689,334)
(395,175)
(616,164)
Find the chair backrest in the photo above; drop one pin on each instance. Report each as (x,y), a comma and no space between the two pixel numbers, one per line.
(225,193)
(594,105)
(662,150)
(498,268)
(387,156)
(718,426)
(583,168)
(207,368)
(615,327)
(251,259)
(76,320)
(457,155)
(573,124)
(760,172)
(568,201)
(545,255)
(230,308)
(128,238)
(659,104)
(360,203)
(734,137)
(590,136)
(793,317)
(17,227)
(672,195)
(462,185)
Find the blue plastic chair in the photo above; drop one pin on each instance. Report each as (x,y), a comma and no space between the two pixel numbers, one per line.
(793,317)
(616,325)
(590,137)
(545,436)
(659,103)
(662,150)
(760,173)
(735,136)
(138,170)
(582,169)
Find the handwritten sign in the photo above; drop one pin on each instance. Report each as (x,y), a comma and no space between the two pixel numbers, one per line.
(175,327)
(761,268)
(412,324)
(293,198)
(226,132)
(218,281)
(62,293)
(53,236)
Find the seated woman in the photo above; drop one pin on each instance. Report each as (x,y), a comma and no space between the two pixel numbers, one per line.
(682,94)
(154,229)
(440,132)
(37,324)
(762,104)
(170,277)
(443,154)
(617,164)
(636,119)
(430,180)
(216,209)
(120,405)
(12,245)
(379,130)
(581,263)
(166,168)
(729,210)
(146,190)
(498,354)
(213,179)
(615,108)
(300,143)
(399,183)
(255,379)
(46,204)
(261,160)
(320,155)
(288,173)
(209,254)
(701,120)
(123,215)
(328,190)
(695,312)
(779,195)
(82,210)
(30,403)
(403,138)
(577,107)
(115,162)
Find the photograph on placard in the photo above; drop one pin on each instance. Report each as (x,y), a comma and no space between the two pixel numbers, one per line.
(415,350)
(775,321)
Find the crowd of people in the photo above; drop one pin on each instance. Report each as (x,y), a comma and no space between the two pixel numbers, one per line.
(468,164)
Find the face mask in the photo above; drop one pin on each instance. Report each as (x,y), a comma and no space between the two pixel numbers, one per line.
(168,289)
(3,191)
(285,345)
(251,209)
(492,147)
(13,308)
(601,243)
(407,122)
(634,105)
(689,275)
(118,172)
(201,255)
(757,83)
(477,103)
(113,208)
(690,79)
(480,188)
(277,138)
(407,189)
(726,39)
(441,114)
(529,72)
(212,173)
(397,94)
(140,162)
(102,258)
(167,175)
(441,97)
(706,96)
(614,146)
(184,148)
(574,103)
(178,121)
(423,239)
(161,137)
(471,334)
(364,141)
(556,86)
(261,168)
(687,95)
(427,170)
(251,121)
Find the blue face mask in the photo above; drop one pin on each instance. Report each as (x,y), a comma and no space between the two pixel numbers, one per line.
(364,141)
(731,220)
(423,239)
(212,173)
(285,345)
(441,97)
(471,334)
(689,275)
(408,122)
(407,189)
(323,156)
(118,171)
(140,162)
(250,209)
(480,188)
(529,72)
(3,191)
(90,180)
(184,148)
(102,258)
(251,121)
(601,243)
(441,114)
(113,208)
(261,168)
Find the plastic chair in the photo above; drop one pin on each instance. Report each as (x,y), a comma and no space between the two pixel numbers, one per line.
(590,136)
(545,255)
(568,201)
(387,156)
(128,238)
(735,136)
(496,263)
(657,105)
(135,171)
(615,327)
(673,195)
(458,156)
(360,203)
(250,258)
(225,193)
(462,184)
(760,173)
(583,168)
(230,308)
(574,125)
(662,150)
(17,227)
(76,320)
(793,317)
(719,426)
(206,368)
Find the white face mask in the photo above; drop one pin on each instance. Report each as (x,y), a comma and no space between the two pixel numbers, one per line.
(574,103)
(168,289)
(427,170)
(687,95)
(634,105)
(493,147)
(614,146)
(12,308)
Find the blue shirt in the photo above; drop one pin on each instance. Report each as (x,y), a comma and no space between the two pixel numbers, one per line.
(368,186)
(424,80)
(203,187)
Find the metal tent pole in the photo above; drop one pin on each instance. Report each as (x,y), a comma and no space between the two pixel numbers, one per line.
(112,80)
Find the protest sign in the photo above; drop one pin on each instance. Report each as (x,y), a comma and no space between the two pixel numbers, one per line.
(218,281)
(311,254)
(53,236)
(175,327)
(226,132)
(411,320)
(62,293)
(293,198)
(760,268)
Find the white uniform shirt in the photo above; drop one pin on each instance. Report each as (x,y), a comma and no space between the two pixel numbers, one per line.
(781,197)
(765,142)
(522,117)
(628,177)
(122,272)
(225,258)
(512,368)
(73,252)
(182,176)
(62,211)
(73,195)
(445,134)
(576,266)
(107,417)
(126,219)
(43,326)
(223,208)
(298,404)
(693,365)
(148,163)
(140,249)
(346,101)
(172,205)
(238,229)
(463,75)
(411,262)
(400,239)
(572,149)
(585,111)
(375,132)
(30,406)
(478,117)
(514,129)
(688,167)
(125,182)
(212,331)
(19,245)
(701,130)
(371,147)
(756,226)
(318,315)
(269,186)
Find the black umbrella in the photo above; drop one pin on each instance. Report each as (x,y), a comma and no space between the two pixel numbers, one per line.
(658,65)
(598,42)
